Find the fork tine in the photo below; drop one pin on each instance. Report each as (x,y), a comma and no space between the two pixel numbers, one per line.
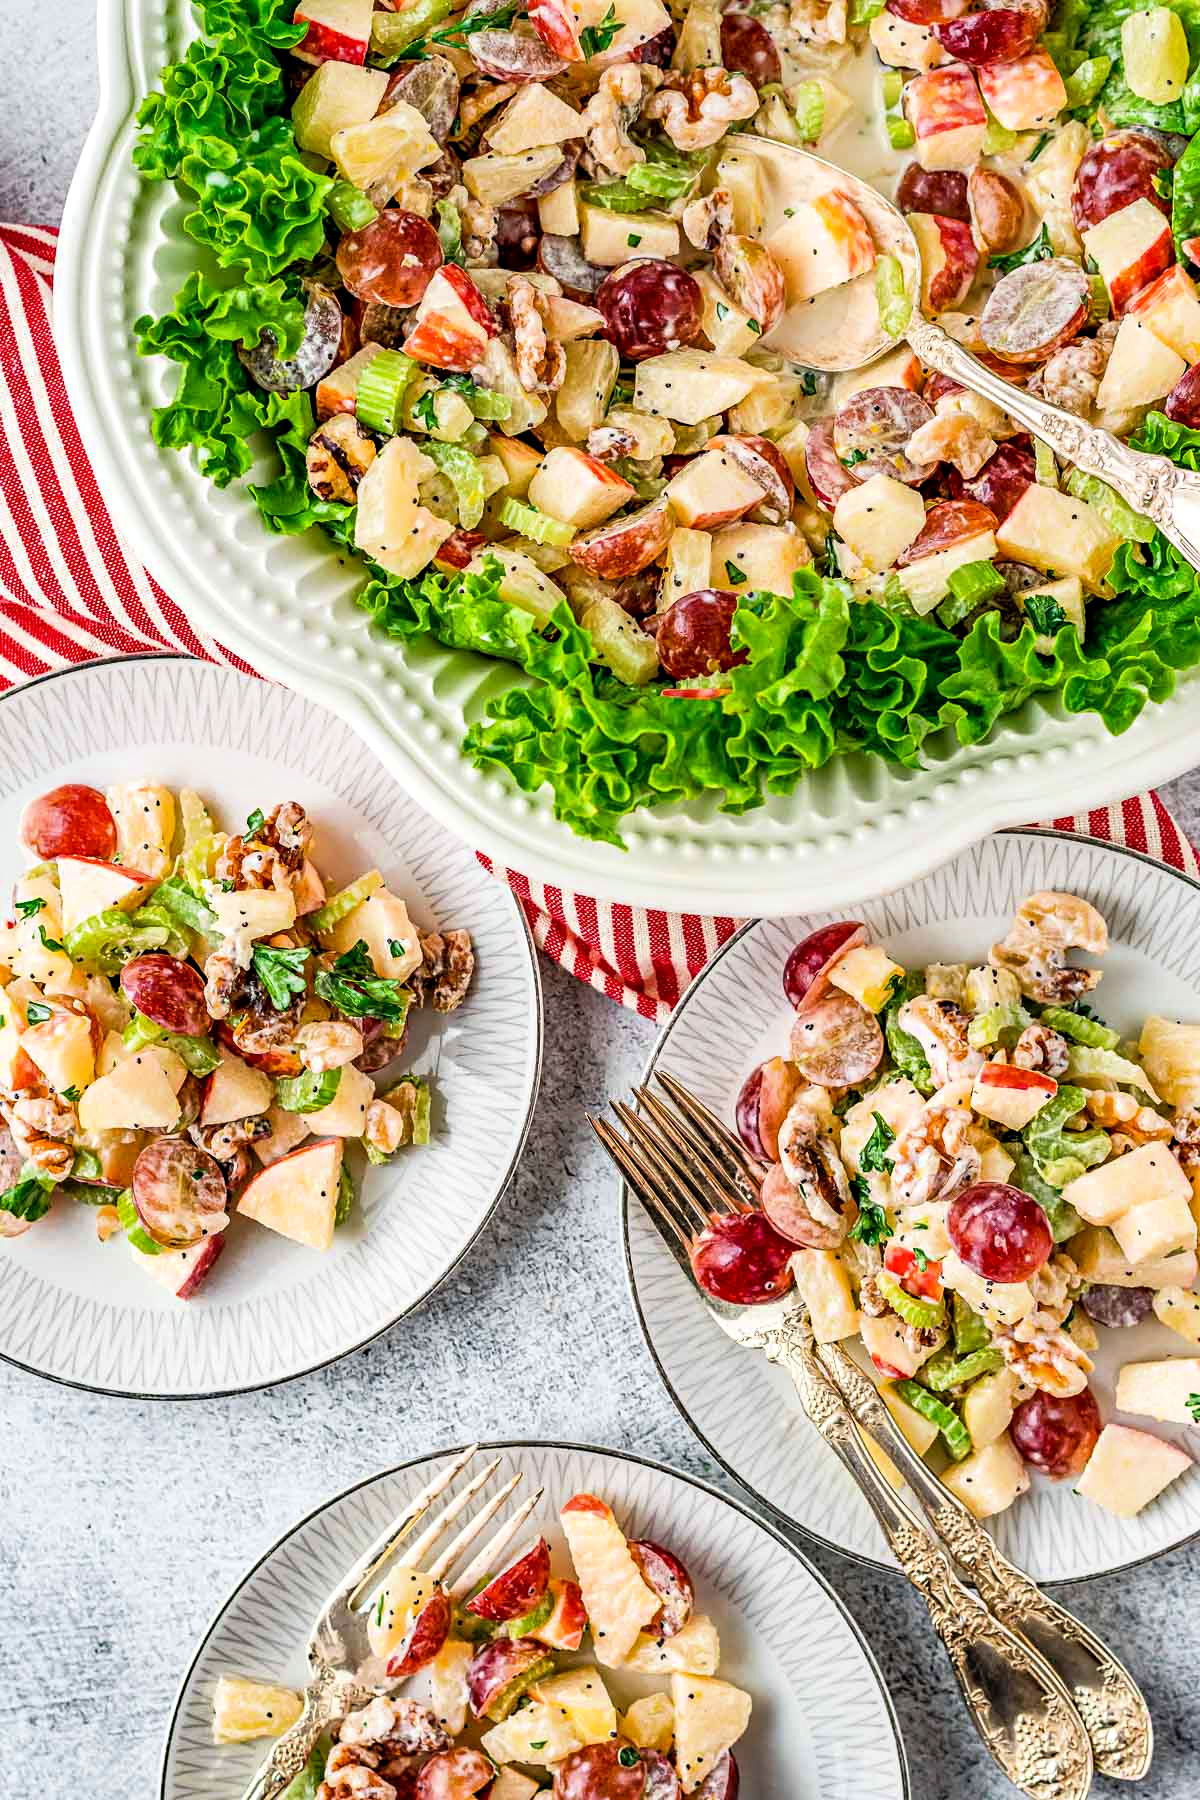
(682,1142)
(670,1169)
(474,1525)
(626,1159)
(488,1557)
(392,1535)
(728,1149)
(439,1526)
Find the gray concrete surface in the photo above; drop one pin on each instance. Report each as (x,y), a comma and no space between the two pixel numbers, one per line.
(124,1525)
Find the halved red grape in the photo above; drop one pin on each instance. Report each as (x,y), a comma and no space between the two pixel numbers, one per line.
(837,1042)
(609,1771)
(1002,480)
(1118,1307)
(662,1570)
(393,259)
(561,257)
(997,210)
(661,1780)
(427,1632)
(806,970)
(940,191)
(980,38)
(499,1673)
(829,478)
(455,1775)
(748,47)
(948,522)
(1183,402)
(742,1259)
(518,232)
(508,56)
(874,427)
(694,634)
(167,991)
(432,87)
(1118,170)
(1036,309)
(650,307)
(656,51)
(746,1114)
(999,1231)
(559,175)
(317,354)
(765,464)
(722,1781)
(927,12)
(179,1192)
(72,820)
(1057,1434)
(781,1082)
(784,1206)
(517,1588)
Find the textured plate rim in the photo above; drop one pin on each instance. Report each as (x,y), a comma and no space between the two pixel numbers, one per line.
(767,882)
(580,1448)
(761,1500)
(255,1387)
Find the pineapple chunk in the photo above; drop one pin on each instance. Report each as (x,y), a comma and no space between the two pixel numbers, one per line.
(989,1480)
(244,1710)
(729,330)
(1128,1468)
(592,366)
(767,555)
(866,974)
(1179,1311)
(948,981)
(688,565)
(824,1283)
(1168,1389)
(1170,1054)
(609,239)
(925,1227)
(1056,533)
(379,153)
(985,987)
(1099,1258)
(696,1650)
(448,1692)
(650,1723)
(534,116)
(1068,594)
(741,177)
(710,1717)
(898,1104)
(144,815)
(393,1610)
(558,211)
(510,1784)
(1149,1173)
(995,1164)
(879,519)
(583,1697)
(1157,1227)
(988,1407)
(537,1734)
(690,385)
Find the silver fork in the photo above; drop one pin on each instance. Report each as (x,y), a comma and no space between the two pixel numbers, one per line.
(1106,1695)
(1022,1711)
(344,1674)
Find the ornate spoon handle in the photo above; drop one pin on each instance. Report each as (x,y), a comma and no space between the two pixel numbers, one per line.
(328,1696)
(1108,1699)
(1150,484)
(1019,1707)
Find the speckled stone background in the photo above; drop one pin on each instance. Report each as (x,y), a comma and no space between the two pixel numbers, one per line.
(124,1525)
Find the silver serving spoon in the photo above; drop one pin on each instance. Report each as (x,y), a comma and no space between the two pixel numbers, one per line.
(841,330)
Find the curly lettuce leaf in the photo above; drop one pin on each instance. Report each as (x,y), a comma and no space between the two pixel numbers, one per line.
(1099,34)
(1185,217)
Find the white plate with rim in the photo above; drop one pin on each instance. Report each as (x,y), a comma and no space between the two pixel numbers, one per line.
(823,1727)
(82,1312)
(287,605)
(734,1015)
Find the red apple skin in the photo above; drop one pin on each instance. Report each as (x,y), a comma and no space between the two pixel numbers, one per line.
(948,259)
(625,546)
(202,1268)
(764,462)
(566,1625)
(1005,1075)
(781,1082)
(458,549)
(517,1588)
(1156,257)
(557,29)
(470,296)
(424,1637)
(436,339)
(324,43)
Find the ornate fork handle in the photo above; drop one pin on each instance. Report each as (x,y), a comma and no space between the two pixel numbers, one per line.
(1021,1710)
(1150,484)
(1108,1699)
(328,1697)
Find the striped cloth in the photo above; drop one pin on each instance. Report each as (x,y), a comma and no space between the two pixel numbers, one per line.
(71,592)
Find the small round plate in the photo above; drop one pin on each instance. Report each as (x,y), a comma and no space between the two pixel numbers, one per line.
(734,1015)
(823,1727)
(81,1311)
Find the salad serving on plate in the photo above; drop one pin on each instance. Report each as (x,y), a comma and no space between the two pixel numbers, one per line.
(501,1703)
(966,1169)
(504,294)
(190,1025)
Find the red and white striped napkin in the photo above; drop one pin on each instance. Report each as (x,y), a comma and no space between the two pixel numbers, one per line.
(71,592)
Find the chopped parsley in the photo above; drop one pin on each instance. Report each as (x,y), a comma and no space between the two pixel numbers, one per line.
(281,973)
(753,326)
(48,943)
(1045,613)
(733,575)
(872,1158)
(29,1197)
(853,458)
(36,1013)
(920,1258)
(395,947)
(808,382)
(71,1094)
(628,1756)
(255,823)
(1193,1405)
(595,39)
(27,908)
(353,988)
(722,310)
(871,1225)
(634,239)
(1037,251)
(425,411)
